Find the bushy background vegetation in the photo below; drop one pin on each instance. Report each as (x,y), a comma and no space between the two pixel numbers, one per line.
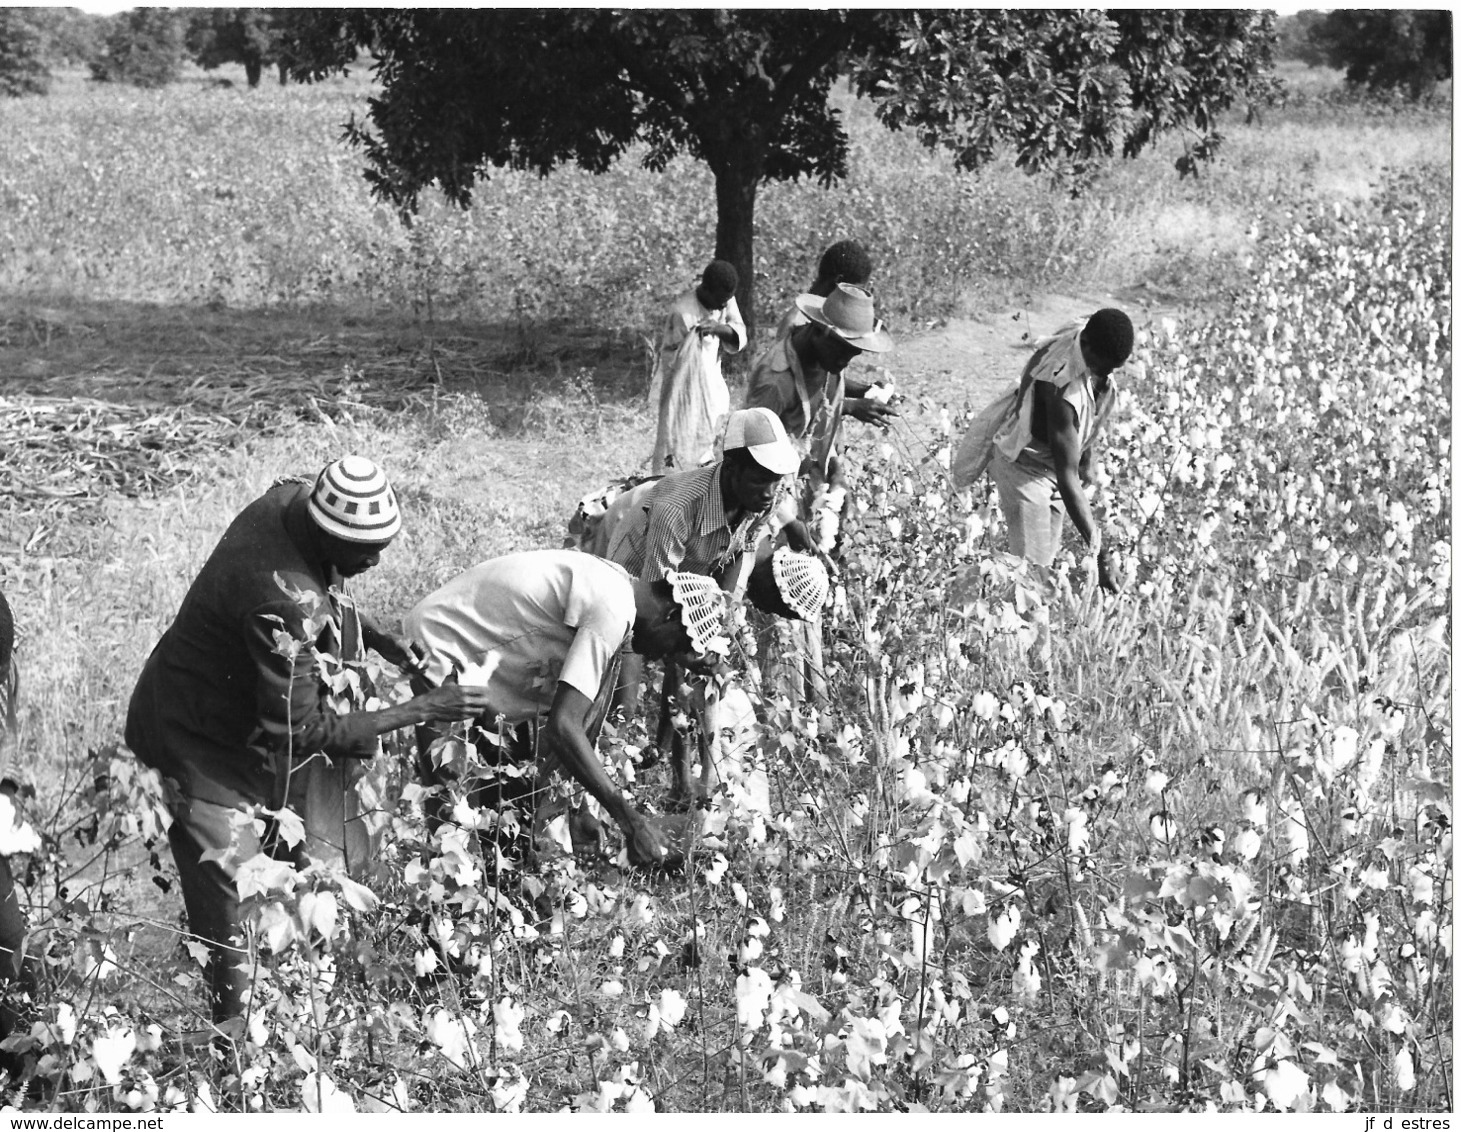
(1185,848)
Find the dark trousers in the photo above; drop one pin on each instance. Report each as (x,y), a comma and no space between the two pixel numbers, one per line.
(211,900)
(14,963)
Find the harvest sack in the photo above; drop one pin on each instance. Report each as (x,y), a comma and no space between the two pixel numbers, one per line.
(694,402)
(977,447)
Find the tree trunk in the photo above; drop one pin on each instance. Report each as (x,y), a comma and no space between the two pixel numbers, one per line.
(253,71)
(736,183)
(283,73)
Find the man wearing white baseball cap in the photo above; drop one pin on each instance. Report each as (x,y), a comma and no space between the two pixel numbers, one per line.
(706,520)
(228,714)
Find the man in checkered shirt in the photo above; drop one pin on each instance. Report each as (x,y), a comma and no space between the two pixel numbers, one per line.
(708,520)
(702,521)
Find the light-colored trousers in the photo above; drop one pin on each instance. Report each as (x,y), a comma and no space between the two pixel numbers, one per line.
(1031,504)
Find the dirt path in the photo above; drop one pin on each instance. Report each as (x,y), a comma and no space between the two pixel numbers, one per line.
(975,359)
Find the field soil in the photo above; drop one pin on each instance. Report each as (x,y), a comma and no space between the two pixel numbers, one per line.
(141,353)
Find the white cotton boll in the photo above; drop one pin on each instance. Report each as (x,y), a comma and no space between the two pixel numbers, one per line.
(1156,781)
(1370,949)
(1026,982)
(1295,831)
(16,835)
(1255,810)
(671,1007)
(507,1018)
(1003,927)
(1344,746)
(1285,1083)
(1077,835)
(1404,1067)
(1247,843)
(716,871)
(1163,826)
(1422,886)
(1370,766)
(984,705)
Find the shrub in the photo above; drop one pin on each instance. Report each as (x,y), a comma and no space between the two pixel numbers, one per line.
(144,48)
(22,67)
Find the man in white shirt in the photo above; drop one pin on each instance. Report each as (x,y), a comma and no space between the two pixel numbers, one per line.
(555,623)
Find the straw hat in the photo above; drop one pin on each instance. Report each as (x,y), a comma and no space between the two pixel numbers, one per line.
(848,311)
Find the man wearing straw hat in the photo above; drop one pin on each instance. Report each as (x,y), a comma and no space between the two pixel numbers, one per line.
(230,704)
(546,632)
(799,378)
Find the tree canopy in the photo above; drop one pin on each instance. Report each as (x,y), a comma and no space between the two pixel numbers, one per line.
(143,47)
(1387,49)
(746,91)
(255,38)
(22,66)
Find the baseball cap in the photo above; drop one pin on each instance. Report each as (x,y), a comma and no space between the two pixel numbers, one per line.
(761,432)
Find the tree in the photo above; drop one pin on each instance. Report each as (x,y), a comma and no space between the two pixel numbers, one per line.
(746,91)
(22,66)
(253,37)
(144,47)
(1387,49)
(1293,37)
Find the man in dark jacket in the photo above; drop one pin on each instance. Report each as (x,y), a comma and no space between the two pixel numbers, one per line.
(230,703)
(14,964)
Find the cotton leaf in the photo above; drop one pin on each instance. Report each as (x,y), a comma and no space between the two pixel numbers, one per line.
(557,833)
(866,1046)
(319,911)
(276,926)
(291,825)
(199,952)
(262,874)
(357,895)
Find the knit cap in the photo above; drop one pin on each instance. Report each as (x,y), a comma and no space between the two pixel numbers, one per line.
(802,581)
(702,609)
(353,501)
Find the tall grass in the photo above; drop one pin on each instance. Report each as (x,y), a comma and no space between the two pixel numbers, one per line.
(195,194)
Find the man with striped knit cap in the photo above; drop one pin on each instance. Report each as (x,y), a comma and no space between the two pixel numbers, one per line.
(230,703)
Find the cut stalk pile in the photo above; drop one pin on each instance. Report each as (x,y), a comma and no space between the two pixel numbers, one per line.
(67,454)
